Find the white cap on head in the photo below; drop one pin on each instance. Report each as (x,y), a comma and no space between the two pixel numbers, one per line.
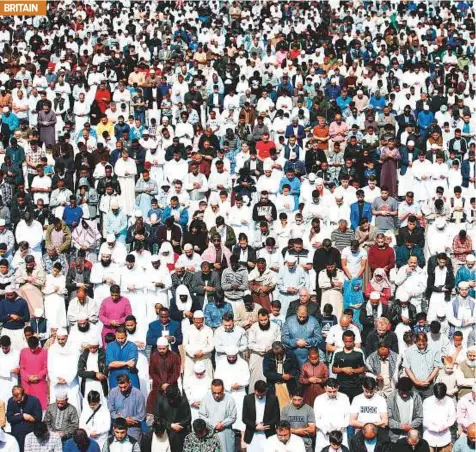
(2,222)
(434,146)
(440,223)
(10,289)
(187,247)
(62,332)
(292,155)
(6,109)
(426,107)
(291,258)
(440,312)
(146,132)
(199,367)
(470,258)
(403,296)
(267,166)
(312,177)
(114,204)
(463,285)
(61,394)
(232,350)
(410,143)
(360,92)
(198,314)
(154,258)
(138,213)
(110,238)
(375,295)
(162,342)
(82,317)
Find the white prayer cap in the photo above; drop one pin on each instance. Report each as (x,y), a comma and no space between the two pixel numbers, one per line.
(403,296)
(440,223)
(360,92)
(267,166)
(463,285)
(61,394)
(231,350)
(187,247)
(138,213)
(110,238)
(162,342)
(199,367)
(10,289)
(440,312)
(145,132)
(61,332)
(319,181)
(6,109)
(154,258)
(312,177)
(114,204)
(291,259)
(94,342)
(410,143)
(426,107)
(375,295)
(470,258)
(38,312)
(198,314)
(2,222)
(82,317)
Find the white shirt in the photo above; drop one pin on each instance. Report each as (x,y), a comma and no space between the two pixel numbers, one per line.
(9,444)
(334,336)
(438,417)
(295,444)
(368,410)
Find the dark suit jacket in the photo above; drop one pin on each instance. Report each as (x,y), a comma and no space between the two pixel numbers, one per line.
(84,373)
(251,255)
(312,309)
(176,235)
(270,417)
(449,284)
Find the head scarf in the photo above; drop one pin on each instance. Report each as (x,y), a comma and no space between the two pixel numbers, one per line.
(165,260)
(383,284)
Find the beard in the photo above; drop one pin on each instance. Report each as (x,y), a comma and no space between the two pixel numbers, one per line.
(265,327)
(471,364)
(105,263)
(84,329)
(302,322)
(132,330)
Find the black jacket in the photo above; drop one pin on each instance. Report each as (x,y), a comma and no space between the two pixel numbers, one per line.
(418,236)
(20,427)
(396,314)
(290,366)
(368,322)
(449,284)
(251,255)
(312,309)
(84,373)
(402,446)
(373,339)
(270,417)
(357,443)
(321,257)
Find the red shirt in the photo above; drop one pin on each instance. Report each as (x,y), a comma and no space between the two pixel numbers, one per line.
(263,149)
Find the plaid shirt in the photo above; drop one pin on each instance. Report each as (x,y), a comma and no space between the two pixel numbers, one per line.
(35,159)
(462,249)
(51,444)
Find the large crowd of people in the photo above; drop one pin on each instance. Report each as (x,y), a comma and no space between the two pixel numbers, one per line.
(238,225)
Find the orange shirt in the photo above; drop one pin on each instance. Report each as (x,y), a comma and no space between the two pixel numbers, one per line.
(322,132)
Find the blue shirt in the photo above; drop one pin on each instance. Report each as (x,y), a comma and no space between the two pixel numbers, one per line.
(213,314)
(70,446)
(114,352)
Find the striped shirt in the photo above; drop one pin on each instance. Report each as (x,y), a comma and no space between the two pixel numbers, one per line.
(342,239)
(422,363)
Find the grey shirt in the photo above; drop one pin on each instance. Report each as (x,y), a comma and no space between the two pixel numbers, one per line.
(300,418)
(383,222)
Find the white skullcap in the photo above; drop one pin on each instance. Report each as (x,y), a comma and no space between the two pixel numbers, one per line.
(199,367)
(2,222)
(61,394)
(267,166)
(38,312)
(360,91)
(231,350)
(198,314)
(375,295)
(110,238)
(162,342)
(291,259)
(62,332)
(440,223)
(463,285)
(138,213)
(6,109)
(440,312)
(10,289)
(154,258)
(434,146)
(410,143)
(470,258)
(403,296)
(146,132)
(82,317)
(187,247)
(312,177)
(94,342)
(114,204)
(319,181)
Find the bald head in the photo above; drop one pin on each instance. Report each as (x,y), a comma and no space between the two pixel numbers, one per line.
(369,431)
(471,433)
(301,314)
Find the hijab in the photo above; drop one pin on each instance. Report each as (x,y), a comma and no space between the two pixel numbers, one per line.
(383,284)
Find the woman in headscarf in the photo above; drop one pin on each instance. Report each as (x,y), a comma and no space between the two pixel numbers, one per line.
(379,283)
(354,298)
(167,256)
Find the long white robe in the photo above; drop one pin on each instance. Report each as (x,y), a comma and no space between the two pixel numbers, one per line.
(157,161)
(99,424)
(194,341)
(81,108)
(240,220)
(8,362)
(195,390)
(440,176)
(63,363)
(331,414)
(138,337)
(155,294)
(55,308)
(132,287)
(231,374)
(98,274)
(423,188)
(125,171)
(176,170)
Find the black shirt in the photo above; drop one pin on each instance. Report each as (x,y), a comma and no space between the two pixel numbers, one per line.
(353,359)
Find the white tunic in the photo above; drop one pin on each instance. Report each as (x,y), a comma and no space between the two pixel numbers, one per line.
(8,362)
(132,285)
(125,171)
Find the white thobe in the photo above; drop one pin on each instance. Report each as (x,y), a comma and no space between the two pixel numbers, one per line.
(8,362)
(240,219)
(157,294)
(440,176)
(331,414)
(196,389)
(139,338)
(176,170)
(194,341)
(55,309)
(118,252)
(63,363)
(99,424)
(231,374)
(80,109)
(98,274)
(125,171)
(157,160)
(132,285)
(423,188)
